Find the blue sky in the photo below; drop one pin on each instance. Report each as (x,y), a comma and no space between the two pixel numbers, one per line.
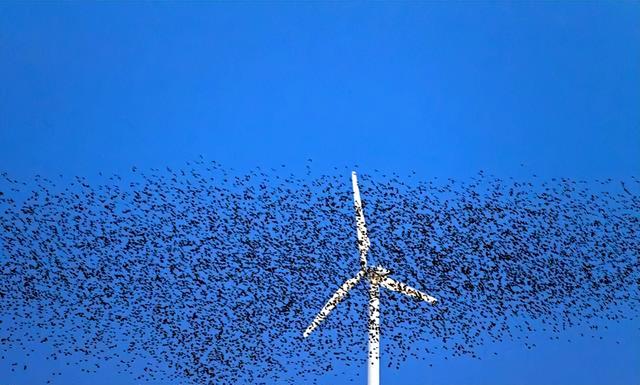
(445,89)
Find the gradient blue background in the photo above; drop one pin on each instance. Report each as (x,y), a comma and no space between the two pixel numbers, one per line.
(445,89)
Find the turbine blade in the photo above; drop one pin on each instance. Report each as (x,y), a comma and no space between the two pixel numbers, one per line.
(363,239)
(336,298)
(400,287)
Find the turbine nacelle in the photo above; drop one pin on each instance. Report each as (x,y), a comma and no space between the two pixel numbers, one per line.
(377,274)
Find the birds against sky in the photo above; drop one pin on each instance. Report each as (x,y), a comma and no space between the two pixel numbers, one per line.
(203,275)
(377,276)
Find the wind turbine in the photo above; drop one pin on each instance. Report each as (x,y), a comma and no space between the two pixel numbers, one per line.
(377,276)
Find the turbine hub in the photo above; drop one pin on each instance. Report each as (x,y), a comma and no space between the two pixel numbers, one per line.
(377,273)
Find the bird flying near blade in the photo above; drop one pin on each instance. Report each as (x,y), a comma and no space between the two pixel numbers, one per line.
(403,288)
(335,299)
(363,238)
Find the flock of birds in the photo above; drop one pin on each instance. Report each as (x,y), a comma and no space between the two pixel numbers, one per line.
(204,276)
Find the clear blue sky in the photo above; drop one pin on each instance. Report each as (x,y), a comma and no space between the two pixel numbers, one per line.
(440,88)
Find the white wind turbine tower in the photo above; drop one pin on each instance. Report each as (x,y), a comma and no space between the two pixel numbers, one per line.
(377,276)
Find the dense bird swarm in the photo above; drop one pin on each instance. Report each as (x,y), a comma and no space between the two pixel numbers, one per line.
(203,276)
